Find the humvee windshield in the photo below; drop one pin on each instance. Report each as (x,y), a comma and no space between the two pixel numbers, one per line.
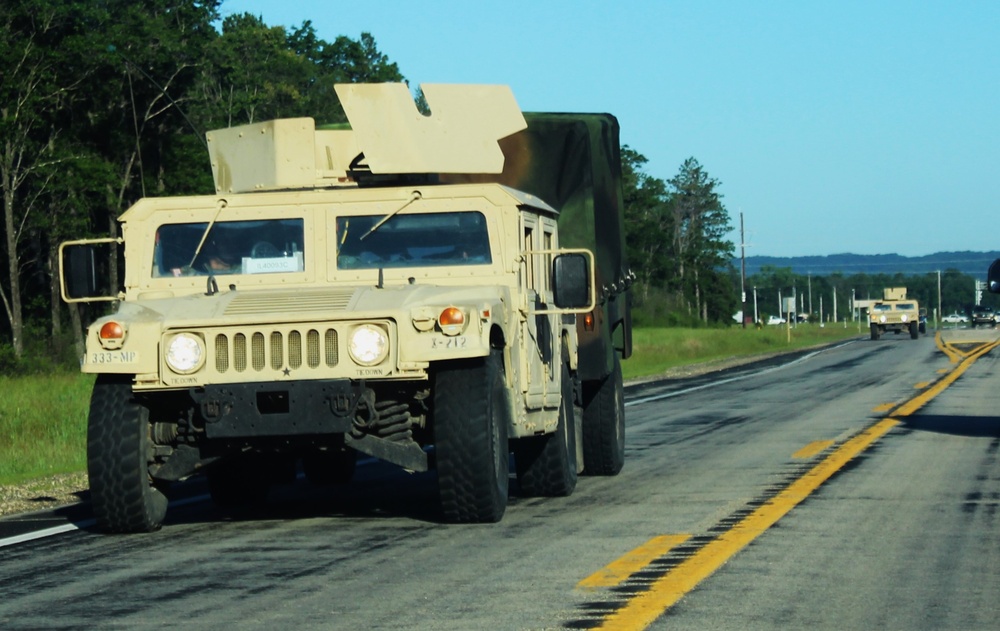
(881,307)
(230,247)
(413,240)
(905,306)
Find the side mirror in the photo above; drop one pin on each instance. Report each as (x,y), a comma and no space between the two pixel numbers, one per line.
(993,278)
(80,264)
(79,271)
(571,281)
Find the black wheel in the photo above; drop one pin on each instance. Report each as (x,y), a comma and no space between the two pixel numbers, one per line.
(239,480)
(119,452)
(604,425)
(546,465)
(914,331)
(875,332)
(471,414)
(330,466)
(923,328)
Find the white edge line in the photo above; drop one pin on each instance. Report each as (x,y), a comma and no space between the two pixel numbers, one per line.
(80,525)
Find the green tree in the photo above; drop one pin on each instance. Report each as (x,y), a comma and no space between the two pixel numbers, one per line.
(700,223)
(35,90)
(648,221)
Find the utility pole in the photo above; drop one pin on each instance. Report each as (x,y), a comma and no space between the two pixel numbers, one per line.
(809,279)
(938,315)
(743,275)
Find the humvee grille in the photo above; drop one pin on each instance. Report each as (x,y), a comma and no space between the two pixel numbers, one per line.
(276,350)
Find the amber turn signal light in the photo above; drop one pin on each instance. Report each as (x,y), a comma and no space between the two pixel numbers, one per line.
(112,331)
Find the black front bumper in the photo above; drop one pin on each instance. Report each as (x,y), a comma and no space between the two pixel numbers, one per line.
(248,410)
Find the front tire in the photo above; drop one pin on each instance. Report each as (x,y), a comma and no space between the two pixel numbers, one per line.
(914,331)
(471,416)
(875,332)
(604,425)
(546,465)
(119,452)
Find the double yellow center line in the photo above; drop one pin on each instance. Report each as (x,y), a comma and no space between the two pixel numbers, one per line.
(641,610)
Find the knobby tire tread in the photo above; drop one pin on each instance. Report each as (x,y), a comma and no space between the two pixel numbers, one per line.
(604,426)
(123,497)
(546,465)
(470,433)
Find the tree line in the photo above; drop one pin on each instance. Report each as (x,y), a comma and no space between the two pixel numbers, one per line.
(950,292)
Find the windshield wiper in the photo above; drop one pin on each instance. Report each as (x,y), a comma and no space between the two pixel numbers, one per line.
(414,196)
(204,237)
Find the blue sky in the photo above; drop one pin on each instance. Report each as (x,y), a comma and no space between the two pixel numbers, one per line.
(833,126)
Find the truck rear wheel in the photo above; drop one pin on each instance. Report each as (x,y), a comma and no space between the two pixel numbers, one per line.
(546,465)
(914,330)
(875,332)
(119,451)
(471,416)
(604,425)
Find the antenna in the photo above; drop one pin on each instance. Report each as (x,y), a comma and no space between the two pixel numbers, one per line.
(113,49)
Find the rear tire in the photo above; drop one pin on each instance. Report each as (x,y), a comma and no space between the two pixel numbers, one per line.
(119,451)
(546,465)
(471,416)
(604,425)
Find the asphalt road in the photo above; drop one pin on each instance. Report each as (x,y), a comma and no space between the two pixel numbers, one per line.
(853,488)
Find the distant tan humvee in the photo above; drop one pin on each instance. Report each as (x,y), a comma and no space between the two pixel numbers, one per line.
(432,291)
(895,313)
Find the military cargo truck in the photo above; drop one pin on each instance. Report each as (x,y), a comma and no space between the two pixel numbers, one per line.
(383,290)
(894,313)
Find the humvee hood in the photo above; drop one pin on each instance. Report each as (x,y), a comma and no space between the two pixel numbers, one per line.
(290,305)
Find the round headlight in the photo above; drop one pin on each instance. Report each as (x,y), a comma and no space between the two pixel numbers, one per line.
(881,318)
(368,345)
(185,353)
(904,318)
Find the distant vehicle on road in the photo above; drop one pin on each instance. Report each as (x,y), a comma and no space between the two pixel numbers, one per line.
(895,312)
(982,316)
(775,320)
(954,318)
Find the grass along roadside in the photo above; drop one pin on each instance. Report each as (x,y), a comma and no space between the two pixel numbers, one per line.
(43,425)
(657,351)
(43,419)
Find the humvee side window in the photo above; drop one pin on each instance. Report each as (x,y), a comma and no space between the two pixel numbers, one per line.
(264,246)
(413,240)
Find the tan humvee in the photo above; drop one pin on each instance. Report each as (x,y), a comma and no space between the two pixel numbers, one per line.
(895,313)
(333,297)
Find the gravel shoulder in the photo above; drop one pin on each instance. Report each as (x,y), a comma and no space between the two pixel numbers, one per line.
(43,493)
